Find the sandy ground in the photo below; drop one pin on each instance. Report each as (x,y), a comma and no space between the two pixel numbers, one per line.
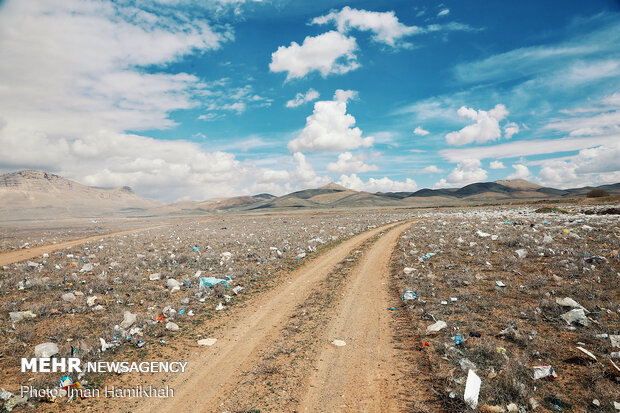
(213,371)
(360,376)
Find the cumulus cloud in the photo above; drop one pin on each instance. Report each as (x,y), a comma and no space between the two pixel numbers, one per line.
(431,169)
(330,128)
(327,53)
(302,98)
(592,166)
(377,185)
(510,129)
(497,165)
(385,25)
(521,172)
(466,172)
(348,163)
(484,130)
(421,132)
(70,92)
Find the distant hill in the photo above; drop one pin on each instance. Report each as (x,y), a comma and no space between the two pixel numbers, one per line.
(34,194)
(30,194)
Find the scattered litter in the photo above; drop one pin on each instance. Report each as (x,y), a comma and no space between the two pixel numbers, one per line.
(544,372)
(433,328)
(68,297)
(128,320)
(500,284)
(521,253)
(615,340)
(45,350)
(172,326)
(409,295)
(207,341)
(568,302)
(576,316)
(339,343)
(472,389)
(208,282)
(21,315)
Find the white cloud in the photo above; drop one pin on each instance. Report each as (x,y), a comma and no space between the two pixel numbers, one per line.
(60,74)
(305,174)
(421,132)
(330,127)
(377,185)
(431,169)
(302,98)
(466,172)
(497,165)
(521,172)
(510,129)
(592,166)
(348,163)
(601,118)
(327,53)
(527,148)
(385,25)
(485,129)
(443,12)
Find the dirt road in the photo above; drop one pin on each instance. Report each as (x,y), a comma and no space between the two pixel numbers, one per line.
(213,372)
(360,376)
(10,257)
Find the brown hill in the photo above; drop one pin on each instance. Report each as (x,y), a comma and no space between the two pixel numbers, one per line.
(33,194)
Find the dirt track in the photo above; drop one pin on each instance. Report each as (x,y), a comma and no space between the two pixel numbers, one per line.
(361,376)
(10,257)
(362,371)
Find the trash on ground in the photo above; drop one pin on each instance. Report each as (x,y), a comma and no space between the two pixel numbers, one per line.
(472,389)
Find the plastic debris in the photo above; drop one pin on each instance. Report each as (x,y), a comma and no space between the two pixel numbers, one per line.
(21,315)
(472,389)
(409,295)
(435,327)
(458,339)
(569,302)
(173,285)
(128,320)
(172,326)
(207,341)
(208,282)
(500,284)
(68,297)
(521,253)
(45,350)
(576,316)
(615,340)
(544,372)
(339,343)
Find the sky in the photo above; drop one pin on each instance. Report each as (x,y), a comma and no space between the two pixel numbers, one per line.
(195,100)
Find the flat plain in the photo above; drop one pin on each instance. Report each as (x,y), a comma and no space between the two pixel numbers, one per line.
(324,311)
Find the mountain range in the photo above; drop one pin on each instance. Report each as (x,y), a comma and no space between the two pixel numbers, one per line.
(32,194)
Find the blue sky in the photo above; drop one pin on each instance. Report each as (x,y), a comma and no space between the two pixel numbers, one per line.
(235,97)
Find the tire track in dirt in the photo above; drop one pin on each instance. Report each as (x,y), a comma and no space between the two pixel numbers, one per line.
(361,376)
(212,370)
(11,257)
